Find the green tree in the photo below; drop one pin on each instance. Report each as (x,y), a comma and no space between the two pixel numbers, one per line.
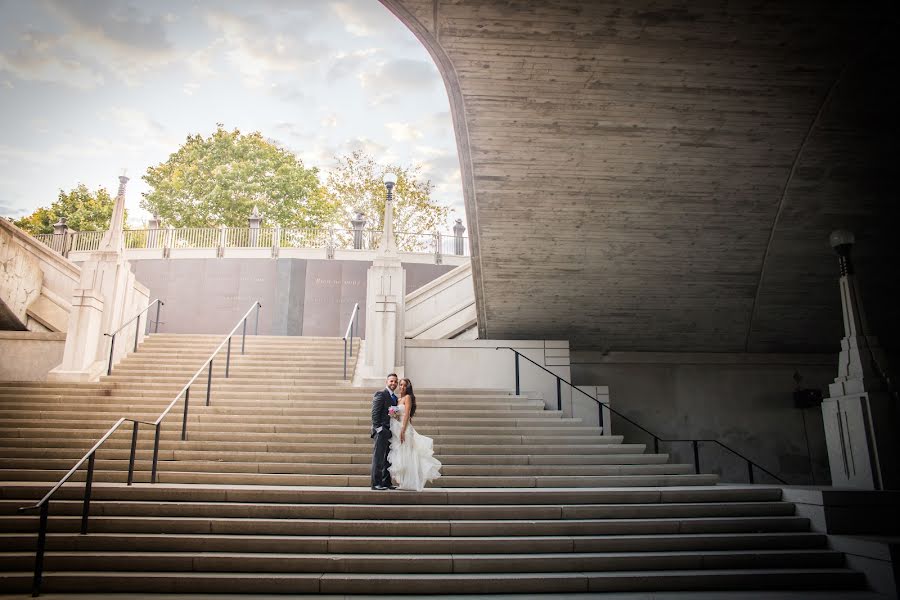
(217,180)
(84,211)
(355,185)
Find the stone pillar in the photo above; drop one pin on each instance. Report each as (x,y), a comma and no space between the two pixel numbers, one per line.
(61,237)
(359,224)
(860,414)
(254,220)
(458,230)
(153,233)
(385,304)
(98,303)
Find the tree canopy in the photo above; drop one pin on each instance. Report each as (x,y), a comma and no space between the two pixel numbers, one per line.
(217,180)
(355,185)
(84,211)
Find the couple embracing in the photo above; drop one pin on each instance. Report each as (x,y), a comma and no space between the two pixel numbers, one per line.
(400,453)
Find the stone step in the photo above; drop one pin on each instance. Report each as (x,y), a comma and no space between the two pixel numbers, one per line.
(171,443)
(363,495)
(344,468)
(427,512)
(334,457)
(460,481)
(492,583)
(409,528)
(391,563)
(204,542)
(286,434)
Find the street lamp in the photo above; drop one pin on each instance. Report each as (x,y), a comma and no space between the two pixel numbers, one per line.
(388,244)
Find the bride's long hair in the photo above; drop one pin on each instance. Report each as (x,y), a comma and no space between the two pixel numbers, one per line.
(412,397)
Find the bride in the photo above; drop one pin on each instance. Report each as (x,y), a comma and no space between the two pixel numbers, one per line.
(411,455)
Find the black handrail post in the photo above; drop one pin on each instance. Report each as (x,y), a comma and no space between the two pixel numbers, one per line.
(86,509)
(696,444)
(655,445)
(228,358)
(39,554)
(187,398)
(345,358)
(209,382)
(156,327)
(517,373)
(750,470)
(137,331)
(558,394)
(112,345)
(155,455)
(134,435)
(599,415)
(244,335)
(256,328)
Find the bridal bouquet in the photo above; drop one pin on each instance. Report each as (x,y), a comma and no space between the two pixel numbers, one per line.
(394,413)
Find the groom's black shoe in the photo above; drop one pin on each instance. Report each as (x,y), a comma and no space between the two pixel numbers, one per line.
(392,487)
(379,487)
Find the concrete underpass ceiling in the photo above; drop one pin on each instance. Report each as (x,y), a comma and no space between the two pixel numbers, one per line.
(647,175)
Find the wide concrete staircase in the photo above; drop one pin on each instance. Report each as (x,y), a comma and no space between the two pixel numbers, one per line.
(269,494)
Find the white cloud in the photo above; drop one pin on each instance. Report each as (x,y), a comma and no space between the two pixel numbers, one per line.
(258,50)
(403,132)
(190,88)
(402,74)
(45,57)
(126,41)
(346,65)
(136,123)
(364,19)
(330,120)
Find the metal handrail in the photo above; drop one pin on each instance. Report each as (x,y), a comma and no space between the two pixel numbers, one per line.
(656,439)
(44,503)
(186,390)
(137,327)
(351,327)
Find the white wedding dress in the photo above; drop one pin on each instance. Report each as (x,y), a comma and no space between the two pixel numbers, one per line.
(412,463)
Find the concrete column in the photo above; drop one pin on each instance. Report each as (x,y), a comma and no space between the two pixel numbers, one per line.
(61,236)
(458,230)
(98,303)
(385,305)
(153,234)
(359,224)
(860,414)
(253,221)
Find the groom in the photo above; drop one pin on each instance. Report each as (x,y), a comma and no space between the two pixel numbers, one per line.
(381,433)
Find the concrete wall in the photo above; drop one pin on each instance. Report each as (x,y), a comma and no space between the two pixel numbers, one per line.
(442,308)
(479,364)
(36,283)
(29,355)
(743,400)
(299,296)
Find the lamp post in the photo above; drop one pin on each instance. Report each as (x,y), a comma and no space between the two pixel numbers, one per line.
(859,415)
(388,243)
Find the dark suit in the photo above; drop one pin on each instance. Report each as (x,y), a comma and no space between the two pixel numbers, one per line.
(381,402)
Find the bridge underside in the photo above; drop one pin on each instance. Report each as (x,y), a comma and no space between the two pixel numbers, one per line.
(664,176)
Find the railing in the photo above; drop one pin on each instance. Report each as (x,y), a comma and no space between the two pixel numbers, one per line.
(186,390)
(656,439)
(137,328)
(44,503)
(351,328)
(439,244)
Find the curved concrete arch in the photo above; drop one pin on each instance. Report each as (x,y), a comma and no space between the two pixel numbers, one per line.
(646,176)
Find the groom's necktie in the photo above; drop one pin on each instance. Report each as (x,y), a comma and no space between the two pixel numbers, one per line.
(393,398)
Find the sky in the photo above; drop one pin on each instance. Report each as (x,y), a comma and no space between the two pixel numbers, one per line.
(90,89)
